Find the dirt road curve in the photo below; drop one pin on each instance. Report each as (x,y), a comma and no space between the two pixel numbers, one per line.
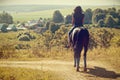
(96,70)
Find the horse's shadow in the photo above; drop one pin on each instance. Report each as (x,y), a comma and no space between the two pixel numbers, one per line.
(102,72)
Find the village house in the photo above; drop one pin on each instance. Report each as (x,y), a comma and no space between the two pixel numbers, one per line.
(33,24)
(40,30)
(11,27)
(20,27)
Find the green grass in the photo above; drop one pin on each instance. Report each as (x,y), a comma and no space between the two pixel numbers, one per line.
(26,16)
(8,73)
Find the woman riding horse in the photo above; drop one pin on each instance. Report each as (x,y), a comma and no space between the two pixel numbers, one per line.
(78,37)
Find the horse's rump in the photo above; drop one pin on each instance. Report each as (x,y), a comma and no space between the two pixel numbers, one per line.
(80,36)
(80,40)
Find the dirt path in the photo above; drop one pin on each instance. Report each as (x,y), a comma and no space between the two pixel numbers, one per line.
(96,70)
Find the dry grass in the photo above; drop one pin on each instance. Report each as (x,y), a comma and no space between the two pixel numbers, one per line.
(7,73)
(108,55)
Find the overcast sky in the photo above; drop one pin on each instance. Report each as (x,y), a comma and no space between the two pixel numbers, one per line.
(61,2)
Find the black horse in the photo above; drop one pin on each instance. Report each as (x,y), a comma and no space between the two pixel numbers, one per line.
(79,39)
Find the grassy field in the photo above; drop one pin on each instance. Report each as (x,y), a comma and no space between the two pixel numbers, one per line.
(38,51)
(7,73)
(108,56)
(26,16)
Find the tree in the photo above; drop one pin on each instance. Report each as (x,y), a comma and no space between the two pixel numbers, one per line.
(6,18)
(4,27)
(47,25)
(88,16)
(97,15)
(110,21)
(101,23)
(113,13)
(68,19)
(57,17)
(118,16)
(53,27)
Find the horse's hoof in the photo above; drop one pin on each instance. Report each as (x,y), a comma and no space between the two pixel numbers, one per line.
(77,69)
(85,69)
(74,65)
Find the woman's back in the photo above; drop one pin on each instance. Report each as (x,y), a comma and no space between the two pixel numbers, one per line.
(78,19)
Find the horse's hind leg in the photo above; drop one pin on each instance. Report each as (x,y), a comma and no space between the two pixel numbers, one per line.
(85,55)
(75,60)
(77,55)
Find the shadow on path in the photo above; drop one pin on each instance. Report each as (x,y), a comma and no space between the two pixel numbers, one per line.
(102,72)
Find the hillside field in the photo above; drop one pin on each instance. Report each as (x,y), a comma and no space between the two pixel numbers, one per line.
(35,56)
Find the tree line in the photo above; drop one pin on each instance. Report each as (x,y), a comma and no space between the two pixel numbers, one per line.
(101,17)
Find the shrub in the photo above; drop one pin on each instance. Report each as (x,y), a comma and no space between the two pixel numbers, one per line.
(4,27)
(24,38)
(53,27)
(110,21)
(118,43)
(92,42)
(101,37)
(22,46)
(7,50)
(101,23)
(106,37)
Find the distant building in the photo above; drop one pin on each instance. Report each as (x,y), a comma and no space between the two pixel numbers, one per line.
(21,27)
(40,30)
(33,24)
(11,27)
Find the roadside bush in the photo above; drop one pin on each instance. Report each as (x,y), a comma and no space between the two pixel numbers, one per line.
(22,46)
(24,38)
(7,50)
(100,37)
(36,51)
(29,35)
(118,43)
(92,42)
(106,37)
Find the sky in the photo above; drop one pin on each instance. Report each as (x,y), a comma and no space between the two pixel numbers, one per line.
(60,2)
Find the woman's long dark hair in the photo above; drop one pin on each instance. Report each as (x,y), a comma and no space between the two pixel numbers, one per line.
(78,10)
